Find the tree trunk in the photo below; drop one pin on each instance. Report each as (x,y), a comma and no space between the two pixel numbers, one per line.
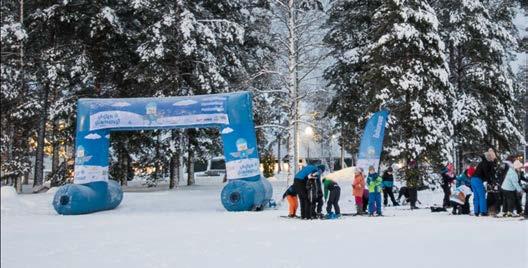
(279,158)
(190,162)
(41,133)
(190,167)
(129,170)
(173,171)
(55,157)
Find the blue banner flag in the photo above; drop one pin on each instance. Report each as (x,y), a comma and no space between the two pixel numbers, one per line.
(372,141)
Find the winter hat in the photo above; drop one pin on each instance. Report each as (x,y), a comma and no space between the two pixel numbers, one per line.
(470,171)
(517,164)
(321,168)
(389,169)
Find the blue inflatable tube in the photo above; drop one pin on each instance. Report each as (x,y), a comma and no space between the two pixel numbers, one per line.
(75,199)
(244,195)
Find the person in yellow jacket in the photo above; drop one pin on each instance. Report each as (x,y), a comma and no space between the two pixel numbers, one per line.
(374,182)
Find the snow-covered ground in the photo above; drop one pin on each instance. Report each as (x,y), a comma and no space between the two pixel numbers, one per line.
(188,227)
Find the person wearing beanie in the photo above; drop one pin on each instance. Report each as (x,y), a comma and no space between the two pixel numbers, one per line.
(358,186)
(387,184)
(510,186)
(374,187)
(485,171)
(300,183)
(446,186)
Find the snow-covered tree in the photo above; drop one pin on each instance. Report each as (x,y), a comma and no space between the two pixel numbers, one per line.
(349,24)
(406,72)
(300,48)
(16,111)
(479,36)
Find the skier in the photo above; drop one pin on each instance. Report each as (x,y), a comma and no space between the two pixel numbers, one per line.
(374,186)
(485,172)
(446,186)
(358,186)
(510,186)
(291,196)
(300,186)
(463,179)
(332,201)
(387,185)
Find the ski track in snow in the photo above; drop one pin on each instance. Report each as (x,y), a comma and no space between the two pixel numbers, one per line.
(188,227)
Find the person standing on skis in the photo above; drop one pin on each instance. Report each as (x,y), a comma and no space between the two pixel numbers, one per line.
(374,187)
(300,184)
(332,201)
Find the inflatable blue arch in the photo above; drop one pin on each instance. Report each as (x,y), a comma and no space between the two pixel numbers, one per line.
(96,118)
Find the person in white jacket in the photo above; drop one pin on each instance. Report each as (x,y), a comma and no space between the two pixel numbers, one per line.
(510,186)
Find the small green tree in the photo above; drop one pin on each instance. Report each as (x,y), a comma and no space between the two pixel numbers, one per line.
(268,162)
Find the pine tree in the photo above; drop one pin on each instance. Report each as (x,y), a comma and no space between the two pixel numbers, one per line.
(479,43)
(16,109)
(406,72)
(349,24)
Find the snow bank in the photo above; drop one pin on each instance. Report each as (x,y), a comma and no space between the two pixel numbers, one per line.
(7,192)
(188,227)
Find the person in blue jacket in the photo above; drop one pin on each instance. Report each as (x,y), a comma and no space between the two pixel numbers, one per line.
(463,179)
(300,184)
(387,184)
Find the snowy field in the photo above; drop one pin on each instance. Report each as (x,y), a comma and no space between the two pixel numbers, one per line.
(188,227)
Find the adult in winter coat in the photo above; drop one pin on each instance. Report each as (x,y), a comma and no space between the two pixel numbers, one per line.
(446,186)
(485,172)
(374,187)
(510,187)
(291,196)
(358,187)
(300,183)
(387,184)
(331,200)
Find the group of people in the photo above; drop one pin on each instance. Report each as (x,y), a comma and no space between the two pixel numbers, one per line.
(312,192)
(494,185)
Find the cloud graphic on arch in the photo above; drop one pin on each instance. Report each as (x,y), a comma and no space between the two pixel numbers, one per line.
(120,104)
(92,136)
(227,130)
(184,103)
(107,136)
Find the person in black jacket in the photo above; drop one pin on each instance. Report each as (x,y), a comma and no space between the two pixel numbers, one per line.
(446,186)
(387,184)
(485,172)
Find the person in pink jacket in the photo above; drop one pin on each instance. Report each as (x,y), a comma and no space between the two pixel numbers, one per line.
(358,186)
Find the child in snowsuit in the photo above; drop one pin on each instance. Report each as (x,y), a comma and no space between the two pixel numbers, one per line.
(358,187)
(463,179)
(291,195)
(332,201)
(387,185)
(374,186)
